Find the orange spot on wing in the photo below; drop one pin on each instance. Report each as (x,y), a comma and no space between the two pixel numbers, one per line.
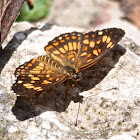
(85,48)
(35,78)
(51,78)
(62,50)
(61,55)
(83,54)
(108,40)
(86,41)
(79,38)
(30,87)
(66,47)
(36,88)
(86,36)
(49,71)
(73,59)
(46,82)
(67,38)
(49,47)
(56,52)
(29,65)
(95,52)
(55,43)
(73,37)
(62,41)
(104,38)
(108,46)
(70,46)
(89,60)
(98,42)
(33,61)
(112,46)
(99,50)
(74,45)
(92,44)
(70,56)
(78,45)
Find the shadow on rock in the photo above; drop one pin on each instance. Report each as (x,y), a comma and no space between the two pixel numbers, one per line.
(29,105)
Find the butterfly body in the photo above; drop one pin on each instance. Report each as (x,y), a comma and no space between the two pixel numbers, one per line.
(48,61)
(71,72)
(68,55)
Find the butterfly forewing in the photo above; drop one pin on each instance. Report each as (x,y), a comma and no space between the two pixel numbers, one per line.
(64,48)
(38,74)
(94,45)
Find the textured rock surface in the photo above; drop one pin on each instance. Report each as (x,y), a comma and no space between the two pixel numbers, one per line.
(111,98)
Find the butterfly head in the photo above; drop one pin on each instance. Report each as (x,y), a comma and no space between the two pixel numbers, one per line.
(77,76)
(73,74)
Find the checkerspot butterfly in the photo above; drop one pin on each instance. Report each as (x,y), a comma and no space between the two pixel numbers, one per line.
(68,54)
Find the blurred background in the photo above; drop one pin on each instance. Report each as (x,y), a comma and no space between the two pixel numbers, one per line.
(83,13)
(86,14)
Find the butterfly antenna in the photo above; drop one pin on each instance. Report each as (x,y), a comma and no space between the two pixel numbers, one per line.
(102,69)
(68,88)
(114,88)
(77,115)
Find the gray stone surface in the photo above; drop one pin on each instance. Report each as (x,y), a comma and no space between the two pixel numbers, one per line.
(111,97)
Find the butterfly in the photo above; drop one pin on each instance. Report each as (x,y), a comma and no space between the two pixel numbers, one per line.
(67,55)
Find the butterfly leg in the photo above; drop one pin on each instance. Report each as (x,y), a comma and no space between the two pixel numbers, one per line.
(68,89)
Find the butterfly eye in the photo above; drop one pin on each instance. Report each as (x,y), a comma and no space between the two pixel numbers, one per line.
(76,76)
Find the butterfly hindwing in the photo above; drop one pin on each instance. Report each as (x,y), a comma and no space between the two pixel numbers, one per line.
(94,45)
(37,75)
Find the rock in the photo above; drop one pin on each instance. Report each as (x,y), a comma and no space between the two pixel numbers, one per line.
(109,97)
(122,136)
